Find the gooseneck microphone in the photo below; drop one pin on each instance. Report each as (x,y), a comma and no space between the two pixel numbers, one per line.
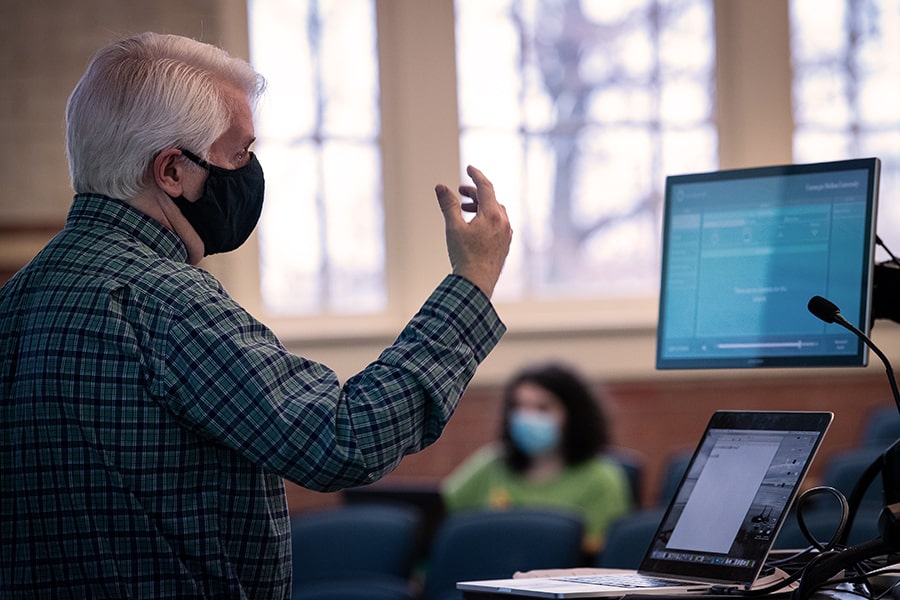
(828,311)
(889,462)
(824,309)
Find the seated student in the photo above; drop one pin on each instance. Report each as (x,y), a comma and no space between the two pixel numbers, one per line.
(553,432)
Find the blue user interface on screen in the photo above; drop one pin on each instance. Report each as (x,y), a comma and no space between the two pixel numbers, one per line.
(744,251)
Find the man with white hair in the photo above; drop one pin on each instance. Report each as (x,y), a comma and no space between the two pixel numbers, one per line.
(147,419)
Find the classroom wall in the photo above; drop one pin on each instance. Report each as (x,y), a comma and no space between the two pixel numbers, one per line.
(655,420)
(44,49)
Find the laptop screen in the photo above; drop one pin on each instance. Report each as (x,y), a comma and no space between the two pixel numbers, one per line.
(744,250)
(735,494)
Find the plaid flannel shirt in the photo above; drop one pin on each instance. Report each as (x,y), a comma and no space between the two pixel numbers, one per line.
(148,420)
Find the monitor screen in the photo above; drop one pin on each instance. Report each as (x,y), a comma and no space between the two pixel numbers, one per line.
(744,250)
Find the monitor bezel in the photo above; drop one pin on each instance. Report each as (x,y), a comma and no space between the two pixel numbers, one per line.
(862,320)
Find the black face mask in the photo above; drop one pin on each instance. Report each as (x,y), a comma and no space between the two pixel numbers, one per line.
(228,210)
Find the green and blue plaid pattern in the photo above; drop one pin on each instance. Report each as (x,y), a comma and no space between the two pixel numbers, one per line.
(148,420)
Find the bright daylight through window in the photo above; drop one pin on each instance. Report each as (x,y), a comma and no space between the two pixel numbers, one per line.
(847,91)
(318,123)
(591,105)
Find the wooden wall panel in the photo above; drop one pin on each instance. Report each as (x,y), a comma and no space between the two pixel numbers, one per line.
(656,419)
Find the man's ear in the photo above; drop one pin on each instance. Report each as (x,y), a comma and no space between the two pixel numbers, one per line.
(168,172)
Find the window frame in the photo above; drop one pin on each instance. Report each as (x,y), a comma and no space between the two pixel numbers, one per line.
(613,339)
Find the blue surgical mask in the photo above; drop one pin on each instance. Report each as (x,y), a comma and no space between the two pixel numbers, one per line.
(533,433)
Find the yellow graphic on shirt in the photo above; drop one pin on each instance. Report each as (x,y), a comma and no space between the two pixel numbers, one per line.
(498,497)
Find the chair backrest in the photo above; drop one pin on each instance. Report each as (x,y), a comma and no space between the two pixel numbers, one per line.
(881,428)
(424,497)
(492,544)
(822,522)
(632,463)
(843,470)
(628,539)
(358,541)
(357,589)
(673,473)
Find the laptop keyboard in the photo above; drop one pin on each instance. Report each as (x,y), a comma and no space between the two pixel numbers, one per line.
(623,580)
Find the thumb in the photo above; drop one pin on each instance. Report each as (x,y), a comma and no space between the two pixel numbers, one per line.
(449,202)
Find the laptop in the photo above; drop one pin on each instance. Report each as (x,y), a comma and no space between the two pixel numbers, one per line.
(723,519)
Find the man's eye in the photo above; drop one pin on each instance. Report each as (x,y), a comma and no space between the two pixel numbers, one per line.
(242,157)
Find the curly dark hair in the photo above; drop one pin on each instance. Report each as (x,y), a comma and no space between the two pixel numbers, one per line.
(586,431)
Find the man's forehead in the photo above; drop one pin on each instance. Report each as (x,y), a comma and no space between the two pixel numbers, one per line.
(240,132)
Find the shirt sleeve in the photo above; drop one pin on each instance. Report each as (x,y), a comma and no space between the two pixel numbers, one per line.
(468,486)
(227,377)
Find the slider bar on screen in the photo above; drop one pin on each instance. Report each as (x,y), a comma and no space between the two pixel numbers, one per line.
(797,344)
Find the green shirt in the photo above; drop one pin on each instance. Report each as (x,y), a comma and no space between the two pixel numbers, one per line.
(595,489)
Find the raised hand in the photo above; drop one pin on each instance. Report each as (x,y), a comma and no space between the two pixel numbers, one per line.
(477,248)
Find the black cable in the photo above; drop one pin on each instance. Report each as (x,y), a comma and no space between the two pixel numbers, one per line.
(881,243)
(769,589)
(788,560)
(864,578)
(823,567)
(840,532)
(859,491)
(825,550)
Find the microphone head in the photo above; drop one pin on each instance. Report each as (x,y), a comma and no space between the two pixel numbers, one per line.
(823,309)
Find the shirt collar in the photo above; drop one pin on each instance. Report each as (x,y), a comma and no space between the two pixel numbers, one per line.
(93,209)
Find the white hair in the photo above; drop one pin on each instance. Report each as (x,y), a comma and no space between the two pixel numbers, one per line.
(142,95)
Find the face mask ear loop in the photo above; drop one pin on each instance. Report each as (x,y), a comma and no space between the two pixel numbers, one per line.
(195,159)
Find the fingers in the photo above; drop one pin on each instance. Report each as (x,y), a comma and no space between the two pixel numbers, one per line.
(479,196)
(477,246)
(483,193)
(472,194)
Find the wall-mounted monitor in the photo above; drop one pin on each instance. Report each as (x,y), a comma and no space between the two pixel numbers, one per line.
(744,250)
